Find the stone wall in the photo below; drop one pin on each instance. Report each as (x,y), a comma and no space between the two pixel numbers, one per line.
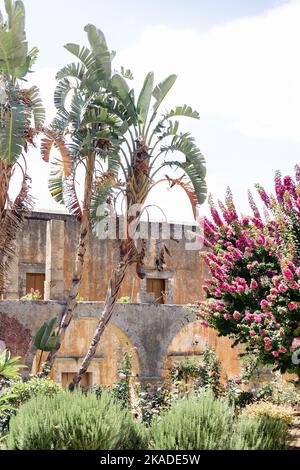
(47,244)
(158,336)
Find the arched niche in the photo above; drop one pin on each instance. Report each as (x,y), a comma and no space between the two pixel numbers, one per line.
(191,341)
(104,367)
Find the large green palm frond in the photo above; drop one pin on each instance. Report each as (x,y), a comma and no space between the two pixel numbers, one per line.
(144,100)
(193,166)
(36,106)
(13,44)
(13,126)
(122,92)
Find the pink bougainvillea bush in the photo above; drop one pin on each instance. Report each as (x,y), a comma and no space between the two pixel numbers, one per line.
(253,294)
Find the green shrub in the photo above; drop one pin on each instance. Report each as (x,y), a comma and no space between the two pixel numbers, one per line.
(194,424)
(19,392)
(9,367)
(260,433)
(74,421)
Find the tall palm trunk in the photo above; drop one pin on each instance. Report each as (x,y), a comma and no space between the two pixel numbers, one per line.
(67,313)
(137,190)
(115,282)
(5,175)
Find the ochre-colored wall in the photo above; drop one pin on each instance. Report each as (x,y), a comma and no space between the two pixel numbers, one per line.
(188,268)
(191,342)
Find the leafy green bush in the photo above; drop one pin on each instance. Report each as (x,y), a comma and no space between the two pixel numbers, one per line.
(74,421)
(194,424)
(9,366)
(260,433)
(19,392)
(193,375)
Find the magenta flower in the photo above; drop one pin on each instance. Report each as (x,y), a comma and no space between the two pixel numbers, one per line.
(292,306)
(264,304)
(253,284)
(282,288)
(237,315)
(287,274)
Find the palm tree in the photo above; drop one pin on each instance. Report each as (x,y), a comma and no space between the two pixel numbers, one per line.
(89,130)
(18,107)
(144,149)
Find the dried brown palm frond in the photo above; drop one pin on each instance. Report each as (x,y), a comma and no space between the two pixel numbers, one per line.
(185,184)
(54,138)
(11,224)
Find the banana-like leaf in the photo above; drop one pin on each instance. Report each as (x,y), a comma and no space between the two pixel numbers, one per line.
(194,166)
(121,89)
(101,53)
(14,122)
(13,45)
(36,105)
(72,70)
(45,337)
(82,53)
(22,70)
(126,73)
(144,99)
(162,89)
(61,92)
(184,110)
(103,191)
(164,132)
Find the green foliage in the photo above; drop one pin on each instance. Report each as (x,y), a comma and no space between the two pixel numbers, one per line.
(45,337)
(152,402)
(74,422)
(263,433)
(32,295)
(280,392)
(237,397)
(121,389)
(20,392)
(204,375)
(194,424)
(5,407)
(13,45)
(9,366)
(124,300)
(17,106)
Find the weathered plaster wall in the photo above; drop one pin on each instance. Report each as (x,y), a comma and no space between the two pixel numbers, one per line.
(154,334)
(185,266)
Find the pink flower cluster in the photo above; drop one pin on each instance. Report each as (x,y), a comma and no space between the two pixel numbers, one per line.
(253,294)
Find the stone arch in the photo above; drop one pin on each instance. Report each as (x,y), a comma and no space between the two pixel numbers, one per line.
(191,341)
(113,344)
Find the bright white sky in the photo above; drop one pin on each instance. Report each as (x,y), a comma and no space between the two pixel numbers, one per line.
(238,65)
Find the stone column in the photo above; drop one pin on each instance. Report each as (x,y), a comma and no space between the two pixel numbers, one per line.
(54,269)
